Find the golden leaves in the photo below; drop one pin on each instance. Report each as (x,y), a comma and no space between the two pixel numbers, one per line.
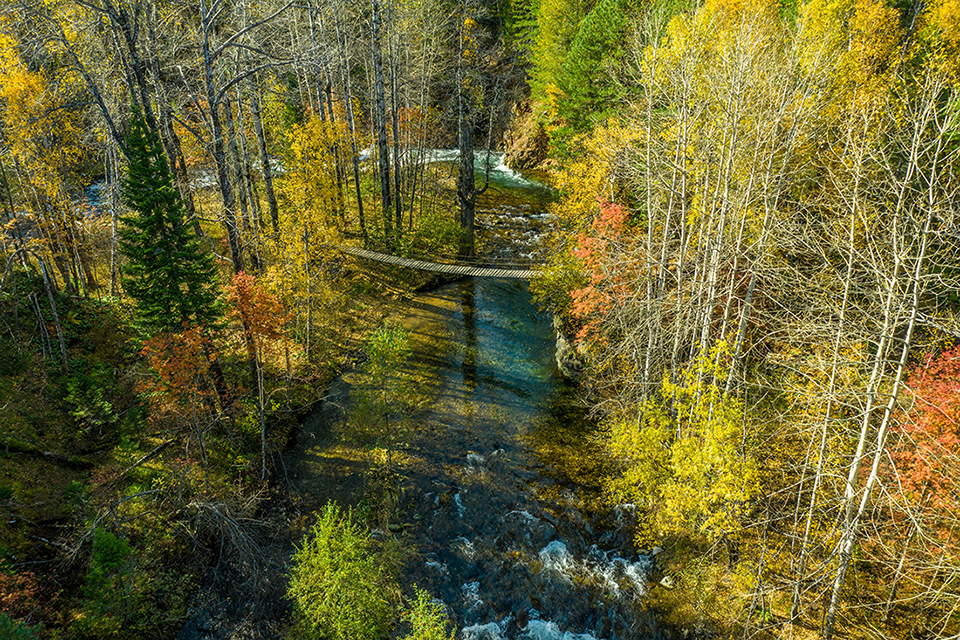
(684,458)
(40,132)
(309,187)
(941,33)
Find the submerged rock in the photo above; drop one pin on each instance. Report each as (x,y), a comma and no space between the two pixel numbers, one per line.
(568,360)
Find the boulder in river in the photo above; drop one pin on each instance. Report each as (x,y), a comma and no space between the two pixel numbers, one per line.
(568,360)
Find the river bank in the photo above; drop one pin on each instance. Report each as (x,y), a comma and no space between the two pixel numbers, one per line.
(492,497)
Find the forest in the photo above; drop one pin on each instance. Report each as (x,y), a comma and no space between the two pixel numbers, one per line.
(751,261)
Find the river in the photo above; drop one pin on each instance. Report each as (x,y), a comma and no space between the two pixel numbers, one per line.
(500,495)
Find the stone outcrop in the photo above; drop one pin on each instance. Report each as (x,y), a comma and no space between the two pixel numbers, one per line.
(525,143)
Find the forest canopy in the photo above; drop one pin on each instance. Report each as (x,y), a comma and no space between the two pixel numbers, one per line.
(753,255)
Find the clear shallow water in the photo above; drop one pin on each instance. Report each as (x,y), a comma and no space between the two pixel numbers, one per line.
(502,537)
(499,494)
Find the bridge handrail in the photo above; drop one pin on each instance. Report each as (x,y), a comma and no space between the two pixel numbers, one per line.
(464,269)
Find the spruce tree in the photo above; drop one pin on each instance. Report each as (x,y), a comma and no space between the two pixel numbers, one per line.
(168,274)
(588,90)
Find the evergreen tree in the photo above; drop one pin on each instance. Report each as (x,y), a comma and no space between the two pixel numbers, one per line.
(587,89)
(169,275)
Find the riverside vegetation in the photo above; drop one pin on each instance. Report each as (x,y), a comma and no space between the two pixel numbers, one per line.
(753,253)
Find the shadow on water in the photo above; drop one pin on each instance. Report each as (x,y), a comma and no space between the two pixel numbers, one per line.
(500,531)
(500,490)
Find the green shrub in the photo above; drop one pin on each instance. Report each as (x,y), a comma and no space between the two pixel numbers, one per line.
(103,610)
(89,390)
(427,619)
(341,589)
(11,629)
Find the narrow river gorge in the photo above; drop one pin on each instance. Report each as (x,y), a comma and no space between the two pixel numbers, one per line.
(499,499)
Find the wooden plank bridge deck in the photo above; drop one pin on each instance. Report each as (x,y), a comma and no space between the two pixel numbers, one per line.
(453,269)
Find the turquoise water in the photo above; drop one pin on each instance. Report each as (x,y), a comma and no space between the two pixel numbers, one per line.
(502,536)
(499,502)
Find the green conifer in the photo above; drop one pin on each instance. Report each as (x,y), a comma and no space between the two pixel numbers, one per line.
(588,90)
(168,274)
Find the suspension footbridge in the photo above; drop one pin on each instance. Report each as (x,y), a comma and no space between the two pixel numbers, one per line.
(439,267)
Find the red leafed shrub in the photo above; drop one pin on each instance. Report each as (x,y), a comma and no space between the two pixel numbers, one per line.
(927,453)
(593,301)
(261,312)
(18,592)
(182,388)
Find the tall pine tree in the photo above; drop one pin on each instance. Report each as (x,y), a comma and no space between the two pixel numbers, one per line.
(168,274)
(588,91)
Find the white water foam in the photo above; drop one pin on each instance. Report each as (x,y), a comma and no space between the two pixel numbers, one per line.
(439,567)
(612,574)
(545,630)
(489,631)
(476,463)
(460,508)
(529,519)
(496,164)
(437,155)
(556,558)
(466,548)
(471,596)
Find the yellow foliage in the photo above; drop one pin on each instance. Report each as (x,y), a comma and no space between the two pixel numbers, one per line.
(590,177)
(941,31)
(944,16)
(739,8)
(272,108)
(309,189)
(684,459)
(312,203)
(702,39)
(873,32)
(42,134)
(865,34)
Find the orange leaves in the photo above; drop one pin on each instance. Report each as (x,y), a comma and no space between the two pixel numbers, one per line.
(178,358)
(18,592)
(180,361)
(591,303)
(927,454)
(923,476)
(260,311)
(181,389)
(418,123)
(262,318)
